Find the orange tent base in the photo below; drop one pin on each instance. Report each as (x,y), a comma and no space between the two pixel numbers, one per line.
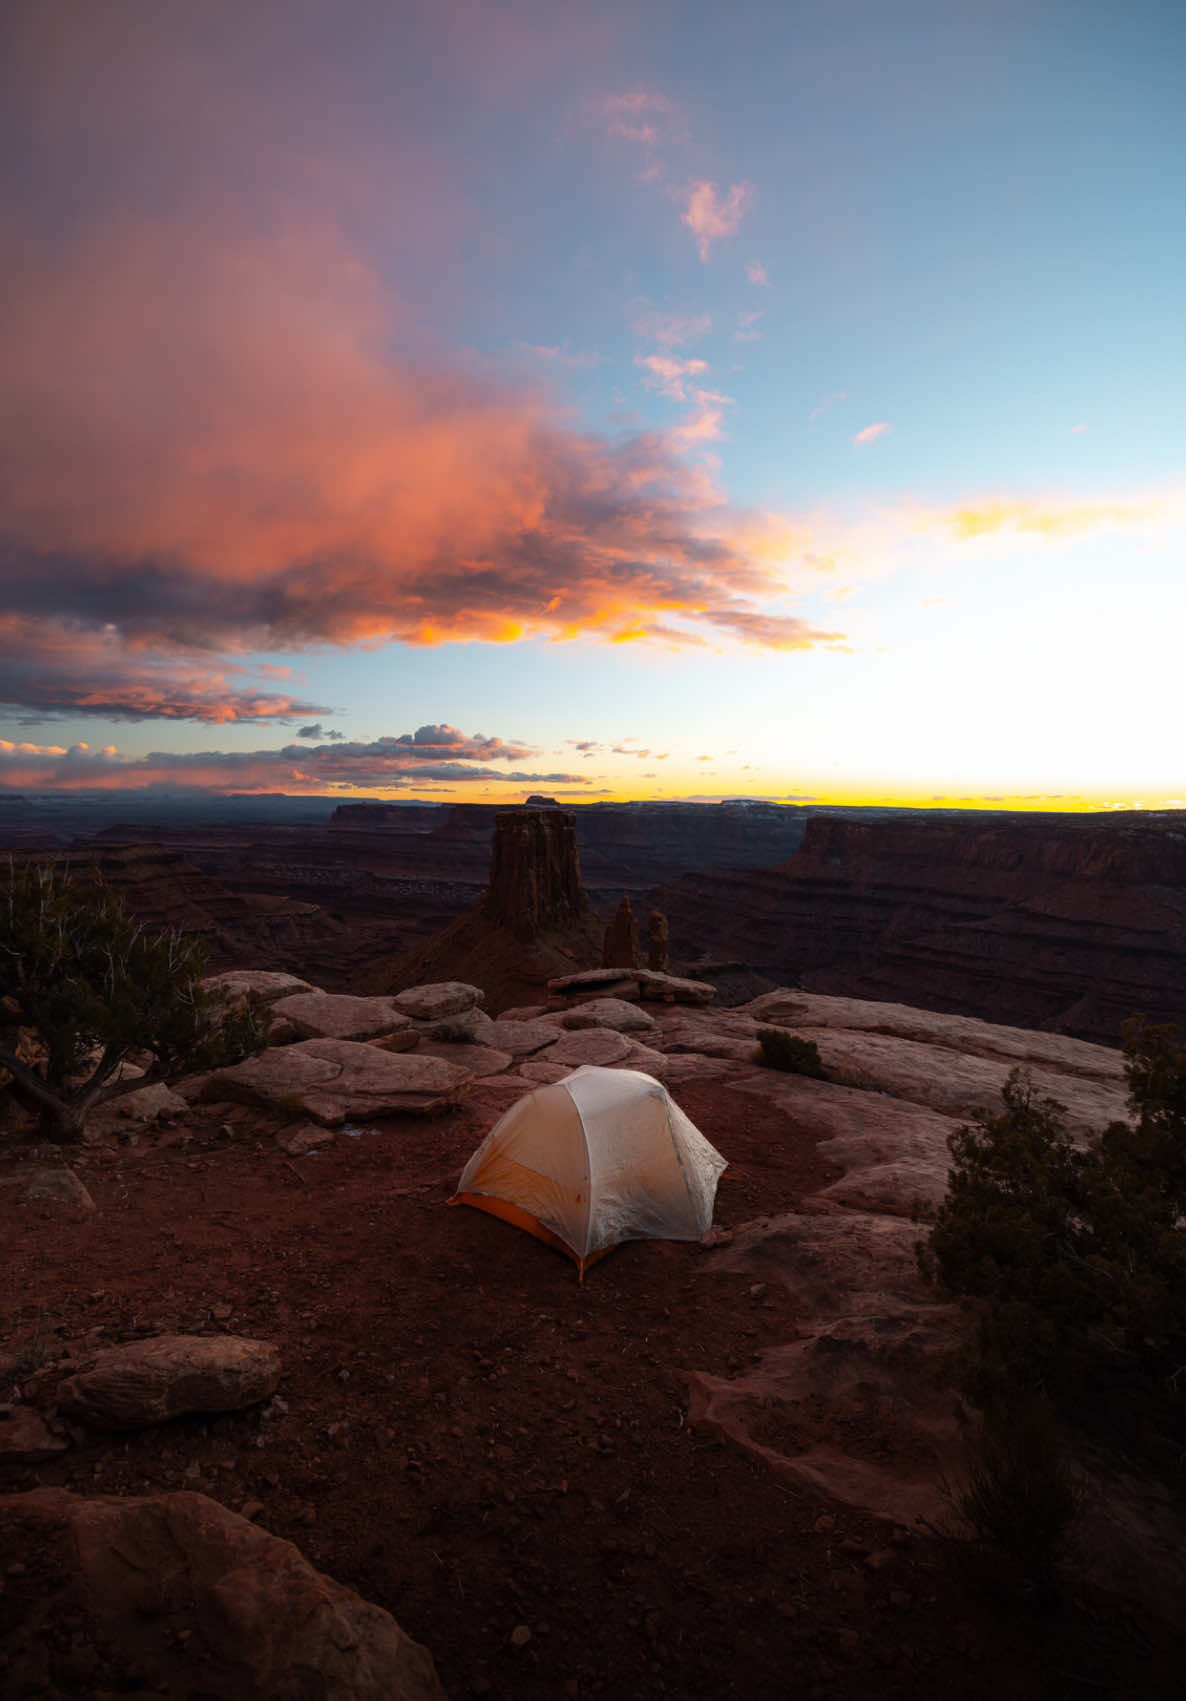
(524,1220)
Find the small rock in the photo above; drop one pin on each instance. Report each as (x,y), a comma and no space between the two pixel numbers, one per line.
(150,1381)
(520,1636)
(440,999)
(824,1525)
(297,1142)
(34,1184)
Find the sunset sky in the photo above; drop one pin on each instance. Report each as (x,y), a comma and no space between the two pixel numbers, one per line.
(464,398)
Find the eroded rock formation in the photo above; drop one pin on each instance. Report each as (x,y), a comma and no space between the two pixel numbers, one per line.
(534,921)
(620,950)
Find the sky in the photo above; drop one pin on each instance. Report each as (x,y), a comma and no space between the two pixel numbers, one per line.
(458,399)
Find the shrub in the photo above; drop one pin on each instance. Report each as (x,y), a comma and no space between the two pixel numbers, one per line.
(1077,1255)
(782,1049)
(1018,1492)
(94,987)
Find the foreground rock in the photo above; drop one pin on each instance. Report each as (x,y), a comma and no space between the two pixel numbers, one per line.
(334,1080)
(35,1184)
(615,1013)
(26,1438)
(151,1381)
(134,1111)
(336,1015)
(433,1003)
(258,986)
(257,1622)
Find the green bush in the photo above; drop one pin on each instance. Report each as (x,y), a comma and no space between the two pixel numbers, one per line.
(1077,1256)
(94,988)
(782,1049)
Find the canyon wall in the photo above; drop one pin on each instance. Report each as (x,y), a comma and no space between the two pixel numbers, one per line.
(1071,923)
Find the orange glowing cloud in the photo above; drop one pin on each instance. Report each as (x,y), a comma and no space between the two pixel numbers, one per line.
(214,448)
(870,434)
(666,373)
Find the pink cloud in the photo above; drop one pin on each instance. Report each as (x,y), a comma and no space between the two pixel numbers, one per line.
(870,434)
(711,218)
(638,116)
(757,274)
(747,331)
(828,402)
(667,373)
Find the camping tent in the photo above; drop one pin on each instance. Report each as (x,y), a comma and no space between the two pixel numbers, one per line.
(604,1155)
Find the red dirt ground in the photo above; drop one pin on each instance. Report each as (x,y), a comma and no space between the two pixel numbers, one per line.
(475,1442)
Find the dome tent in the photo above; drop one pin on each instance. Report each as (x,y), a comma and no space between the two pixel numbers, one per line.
(603,1156)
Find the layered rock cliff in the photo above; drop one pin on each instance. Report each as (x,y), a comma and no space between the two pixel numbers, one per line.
(534,921)
(1071,923)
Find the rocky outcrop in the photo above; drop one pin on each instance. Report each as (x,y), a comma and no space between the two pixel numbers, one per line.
(620,950)
(1070,923)
(534,920)
(658,943)
(205,1603)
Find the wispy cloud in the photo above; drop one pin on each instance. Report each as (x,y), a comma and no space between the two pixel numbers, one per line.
(670,330)
(712,218)
(1077,430)
(667,373)
(828,402)
(747,327)
(317,732)
(757,274)
(870,434)
(562,354)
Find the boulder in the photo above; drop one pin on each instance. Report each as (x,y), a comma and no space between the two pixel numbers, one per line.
(258,986)
(478,1060)
(137,1109)
(521,1038)
(600,1046)
(522,1012)
(543,1074)
(338,1015)
(642,1058)
(150,1381)
(467,1027)
(26,1438)
(444,998)
(260,1622)
(34,1184)
(608,1013)
(333,1080)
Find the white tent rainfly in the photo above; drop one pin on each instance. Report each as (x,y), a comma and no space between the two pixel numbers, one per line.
(603,1156)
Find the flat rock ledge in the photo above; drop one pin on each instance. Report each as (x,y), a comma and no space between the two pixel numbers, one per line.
(258,986)
(339,1015)
(146,1382)
(439,999)
(334,1080)
(260,1621)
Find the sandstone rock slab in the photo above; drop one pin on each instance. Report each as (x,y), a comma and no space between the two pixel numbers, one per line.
(592,981)
(520,1038)
(264,1623)
(957,1083)
(258,986)
(339,1015)
(791,1007)
(542,1074)
(26,1438)
(478,1060)
(674,989)
(600,1046)
(615,1013)
(145,1382)
(35,1184)
(441,998)
(467,1027)
(331,1080)
(522,1012)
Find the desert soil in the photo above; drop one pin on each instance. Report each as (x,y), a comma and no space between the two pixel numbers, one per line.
(477,1443)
